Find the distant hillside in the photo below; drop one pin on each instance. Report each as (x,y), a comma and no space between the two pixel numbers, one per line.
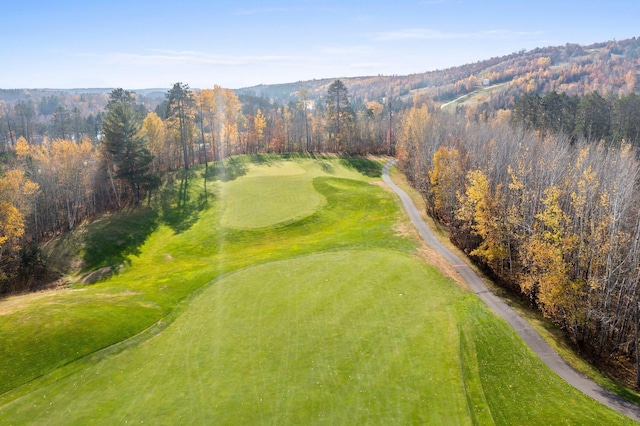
(87,100)
(607,67)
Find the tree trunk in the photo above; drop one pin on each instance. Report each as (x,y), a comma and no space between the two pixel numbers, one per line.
(115,190)
(637,321)
(184,139)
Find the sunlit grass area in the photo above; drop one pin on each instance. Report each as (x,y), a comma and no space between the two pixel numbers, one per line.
(184,248)
(323,316)
(270,196)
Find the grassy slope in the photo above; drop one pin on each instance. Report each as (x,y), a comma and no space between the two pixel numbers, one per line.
(341,336)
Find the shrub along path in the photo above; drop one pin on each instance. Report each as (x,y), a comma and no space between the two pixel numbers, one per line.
(528,334)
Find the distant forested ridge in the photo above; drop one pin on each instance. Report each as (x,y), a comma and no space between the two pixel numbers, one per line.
(608,67)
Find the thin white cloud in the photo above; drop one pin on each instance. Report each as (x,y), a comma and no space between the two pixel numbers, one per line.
(431,34)
(260,11)
(170,57)
(370,65)
(346,50)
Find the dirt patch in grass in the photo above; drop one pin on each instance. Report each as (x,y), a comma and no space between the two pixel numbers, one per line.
(16,303)
(382,185)
(428,255)
(97,275)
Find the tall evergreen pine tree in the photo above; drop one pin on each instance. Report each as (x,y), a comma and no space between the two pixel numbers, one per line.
(125,146)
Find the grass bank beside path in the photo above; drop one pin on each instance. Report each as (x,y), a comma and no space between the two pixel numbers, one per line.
(549,331)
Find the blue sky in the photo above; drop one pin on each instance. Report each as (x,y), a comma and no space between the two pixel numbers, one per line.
(153,44)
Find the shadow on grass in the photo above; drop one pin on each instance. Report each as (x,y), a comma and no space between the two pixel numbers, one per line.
(298,155)
(268,159)
(326,167)
(180,208)
(110,240)
(232,168)
(260,159)
(365,166)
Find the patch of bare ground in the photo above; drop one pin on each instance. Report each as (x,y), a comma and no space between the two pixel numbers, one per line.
(428,255)
(97,275)
(15,303)
(381,184)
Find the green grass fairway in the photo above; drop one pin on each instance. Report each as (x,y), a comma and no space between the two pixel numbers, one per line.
(314,312)
(344,337)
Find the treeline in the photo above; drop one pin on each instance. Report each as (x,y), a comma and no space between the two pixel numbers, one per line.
(50,184)
(556,222)
(591,117)
(42,114)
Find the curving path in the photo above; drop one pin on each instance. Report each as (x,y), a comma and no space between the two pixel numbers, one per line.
(528,334)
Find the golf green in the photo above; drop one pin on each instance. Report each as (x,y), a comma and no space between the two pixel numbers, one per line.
(256,202)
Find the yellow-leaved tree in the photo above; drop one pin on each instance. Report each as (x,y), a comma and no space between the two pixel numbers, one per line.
(447,179)
(11,232)
(22,147)
(411,146)
(164,158)
(16,199)
(481,211)
(259,124)
(547,278)
(226,122)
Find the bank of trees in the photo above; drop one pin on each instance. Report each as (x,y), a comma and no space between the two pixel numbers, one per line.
(555,221)
(592,117)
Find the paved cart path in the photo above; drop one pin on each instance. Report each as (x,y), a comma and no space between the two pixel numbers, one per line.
(528,334)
